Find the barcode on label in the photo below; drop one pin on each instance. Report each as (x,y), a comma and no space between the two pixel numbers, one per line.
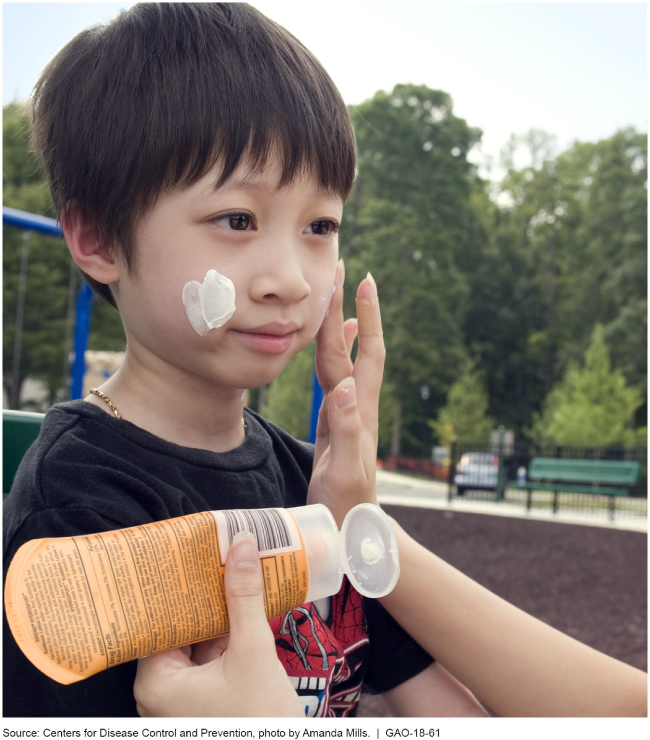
(274,529)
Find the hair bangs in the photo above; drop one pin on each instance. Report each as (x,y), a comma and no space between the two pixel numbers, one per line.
(276,98)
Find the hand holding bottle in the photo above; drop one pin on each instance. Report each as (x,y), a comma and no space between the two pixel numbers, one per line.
(232,676)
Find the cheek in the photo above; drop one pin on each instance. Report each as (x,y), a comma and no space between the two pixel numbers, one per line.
(322,292)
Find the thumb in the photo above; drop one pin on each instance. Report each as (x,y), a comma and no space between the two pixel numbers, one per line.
(249,627)
(344,423)
(347,471)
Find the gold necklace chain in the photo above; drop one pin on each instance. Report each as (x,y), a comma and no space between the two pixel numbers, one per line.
(104,397)
(113,407)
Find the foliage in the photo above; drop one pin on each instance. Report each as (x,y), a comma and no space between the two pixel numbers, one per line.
(43,343)
(410,223)
(20,168)
(592,405)
(387,411)
(288,399)
(51,279)
(579,220)
(607,263)
(504,324)
(465,415)
(44,348)
(106,330)
(514,274)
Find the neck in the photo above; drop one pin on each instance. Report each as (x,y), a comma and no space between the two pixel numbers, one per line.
(175,406)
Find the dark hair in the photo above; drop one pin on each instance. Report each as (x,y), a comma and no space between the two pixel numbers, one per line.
(155,98)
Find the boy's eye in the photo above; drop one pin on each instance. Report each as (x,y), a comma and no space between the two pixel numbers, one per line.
(324,227)
(234,221)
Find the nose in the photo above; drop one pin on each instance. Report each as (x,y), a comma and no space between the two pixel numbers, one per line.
(279,275)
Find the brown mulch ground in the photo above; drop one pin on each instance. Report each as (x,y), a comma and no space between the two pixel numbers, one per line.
(589,582)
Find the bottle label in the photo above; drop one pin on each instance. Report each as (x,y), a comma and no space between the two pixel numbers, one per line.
(284,562)
(78,605)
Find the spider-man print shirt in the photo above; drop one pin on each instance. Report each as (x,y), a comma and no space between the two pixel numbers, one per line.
(91,472)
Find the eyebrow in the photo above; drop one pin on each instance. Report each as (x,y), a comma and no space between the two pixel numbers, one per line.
(248,183)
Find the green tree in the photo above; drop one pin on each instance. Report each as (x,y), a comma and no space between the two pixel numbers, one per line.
(288,399)
(42,336)
(565,249)
(592,405)
(409,222)
(607,275)
(43,345)
(506,313)
(19,167)
(51,283)
(465,416)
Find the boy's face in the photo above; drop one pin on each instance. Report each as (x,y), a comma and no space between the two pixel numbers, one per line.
(278,247)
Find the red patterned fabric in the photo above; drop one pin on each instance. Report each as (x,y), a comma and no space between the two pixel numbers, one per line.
(325,658)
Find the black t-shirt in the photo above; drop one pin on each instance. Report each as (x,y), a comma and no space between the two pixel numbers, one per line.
(91,472)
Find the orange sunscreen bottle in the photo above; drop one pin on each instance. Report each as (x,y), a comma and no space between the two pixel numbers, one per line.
(79,605)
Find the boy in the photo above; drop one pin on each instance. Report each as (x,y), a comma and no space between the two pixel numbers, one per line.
(198,158)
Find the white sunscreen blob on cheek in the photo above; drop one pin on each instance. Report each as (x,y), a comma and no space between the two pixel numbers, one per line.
(210,304)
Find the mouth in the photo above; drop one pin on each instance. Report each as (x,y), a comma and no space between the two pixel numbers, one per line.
(272,339)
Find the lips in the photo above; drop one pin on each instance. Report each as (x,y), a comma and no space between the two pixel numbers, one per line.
(276,328)
(273,339)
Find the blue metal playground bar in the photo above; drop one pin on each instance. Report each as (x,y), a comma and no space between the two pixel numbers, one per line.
(30,222)
(50,227)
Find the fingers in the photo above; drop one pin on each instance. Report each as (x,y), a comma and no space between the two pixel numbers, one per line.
(208,650)
(165,662)
(332,357)
(249,627)
(251,661)
(350,334)
(371,354)
(153,673)
(334,364)
(322,428)
(345,443)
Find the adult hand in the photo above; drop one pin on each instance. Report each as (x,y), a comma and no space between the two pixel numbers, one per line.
(235,676)
(345,454)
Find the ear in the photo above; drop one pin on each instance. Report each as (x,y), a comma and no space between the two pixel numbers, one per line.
(91,255)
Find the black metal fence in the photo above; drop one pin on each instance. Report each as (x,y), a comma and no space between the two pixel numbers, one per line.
(478,479)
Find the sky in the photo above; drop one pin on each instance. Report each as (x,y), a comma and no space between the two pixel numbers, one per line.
(575,70)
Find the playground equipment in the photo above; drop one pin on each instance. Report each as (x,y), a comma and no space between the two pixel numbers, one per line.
(28,222)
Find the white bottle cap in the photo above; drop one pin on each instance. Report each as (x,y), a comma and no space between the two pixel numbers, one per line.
(365,550)
(369,551)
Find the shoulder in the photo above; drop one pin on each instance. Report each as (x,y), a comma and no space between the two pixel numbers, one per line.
(56,492)
(74,436)
(38,522)
(52,443)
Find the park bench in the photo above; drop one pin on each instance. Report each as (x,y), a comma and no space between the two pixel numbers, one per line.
(19,430)
(596,477)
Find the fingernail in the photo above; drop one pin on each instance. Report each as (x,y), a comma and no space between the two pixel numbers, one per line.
(245,553)
(372,280)
(340,272)
(346,396)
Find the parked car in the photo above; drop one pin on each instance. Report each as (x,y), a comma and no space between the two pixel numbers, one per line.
(476,471)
